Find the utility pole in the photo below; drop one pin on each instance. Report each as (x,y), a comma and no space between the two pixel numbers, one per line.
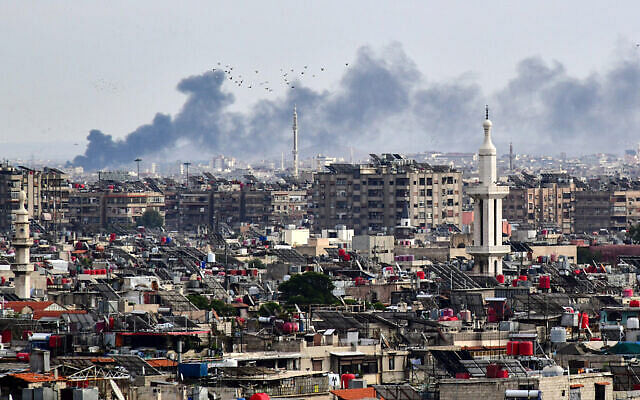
(137,160)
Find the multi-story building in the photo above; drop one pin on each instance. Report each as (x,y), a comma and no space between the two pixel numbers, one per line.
(593,210)
(10,185)
(97,208)
(47,195)
(548,202)
(194,209)
(85,209)
(370,197)
(124,208)
(54,201)
(288,206)
(258,204)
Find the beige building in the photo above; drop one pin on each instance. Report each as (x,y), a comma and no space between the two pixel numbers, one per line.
(375,247)
(98,209)
(370,197)
(552,204)
(591,386)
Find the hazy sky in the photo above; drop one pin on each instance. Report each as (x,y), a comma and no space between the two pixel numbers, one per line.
(67,67)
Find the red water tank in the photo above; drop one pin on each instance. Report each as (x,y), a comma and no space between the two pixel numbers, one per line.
(259,396)
(500,278)
(503,373)
(634,303)
(525,348)
(463,375)
(522,277)
(6,336)
(492,370)
(341,252)
(584,324)
(512,348)
(288,327)
(345,379)
(514,283)
(420,274)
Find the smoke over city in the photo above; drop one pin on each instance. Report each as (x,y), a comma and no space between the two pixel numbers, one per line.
(384,103)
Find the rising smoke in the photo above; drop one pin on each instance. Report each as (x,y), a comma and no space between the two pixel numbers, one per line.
(384,103)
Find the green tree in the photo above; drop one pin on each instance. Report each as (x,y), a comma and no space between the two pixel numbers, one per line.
(256,263)
(151,219)
(308,288)
(199,301)
(269,308)
(223,309)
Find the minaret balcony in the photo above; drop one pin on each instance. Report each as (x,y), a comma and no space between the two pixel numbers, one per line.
(489,250)
(494,191)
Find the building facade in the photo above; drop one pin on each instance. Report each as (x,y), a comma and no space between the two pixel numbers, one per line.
(370,197)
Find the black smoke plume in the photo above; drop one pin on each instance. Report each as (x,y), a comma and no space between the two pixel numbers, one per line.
(384,103)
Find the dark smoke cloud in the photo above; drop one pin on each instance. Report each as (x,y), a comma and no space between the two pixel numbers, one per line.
(384,103)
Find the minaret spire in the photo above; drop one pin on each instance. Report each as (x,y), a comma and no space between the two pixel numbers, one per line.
(295,141)
(486,111)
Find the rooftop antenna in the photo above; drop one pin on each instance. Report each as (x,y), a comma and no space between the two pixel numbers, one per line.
(486,111)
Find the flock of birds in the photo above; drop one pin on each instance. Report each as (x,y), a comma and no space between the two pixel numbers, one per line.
(288,76)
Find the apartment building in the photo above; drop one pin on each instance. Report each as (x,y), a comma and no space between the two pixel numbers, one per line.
(124,208)
(10,185)
(259,204)
(370,197)
(545,201)
(194,209)
(47,194)
(289,206)
(96,208)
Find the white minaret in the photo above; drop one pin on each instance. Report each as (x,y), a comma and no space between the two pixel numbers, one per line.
(487,249)
(295,142)
(22,267)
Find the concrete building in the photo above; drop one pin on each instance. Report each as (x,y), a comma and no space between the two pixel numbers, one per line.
(288,206)
(487,249)
(376,247)
(550,204)
(194,209)
(593,211)
(370,197)
(10,185)
(95,208)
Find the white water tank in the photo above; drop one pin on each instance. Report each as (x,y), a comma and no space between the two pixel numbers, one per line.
(633,323)
(211,257)
(552,371)
(558,334)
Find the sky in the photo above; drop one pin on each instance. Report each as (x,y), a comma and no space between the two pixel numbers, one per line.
(69,67)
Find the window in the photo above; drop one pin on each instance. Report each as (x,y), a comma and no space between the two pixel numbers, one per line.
(317,365)
(392,363)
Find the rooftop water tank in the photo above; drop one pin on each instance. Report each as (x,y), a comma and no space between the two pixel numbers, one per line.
(558,334)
